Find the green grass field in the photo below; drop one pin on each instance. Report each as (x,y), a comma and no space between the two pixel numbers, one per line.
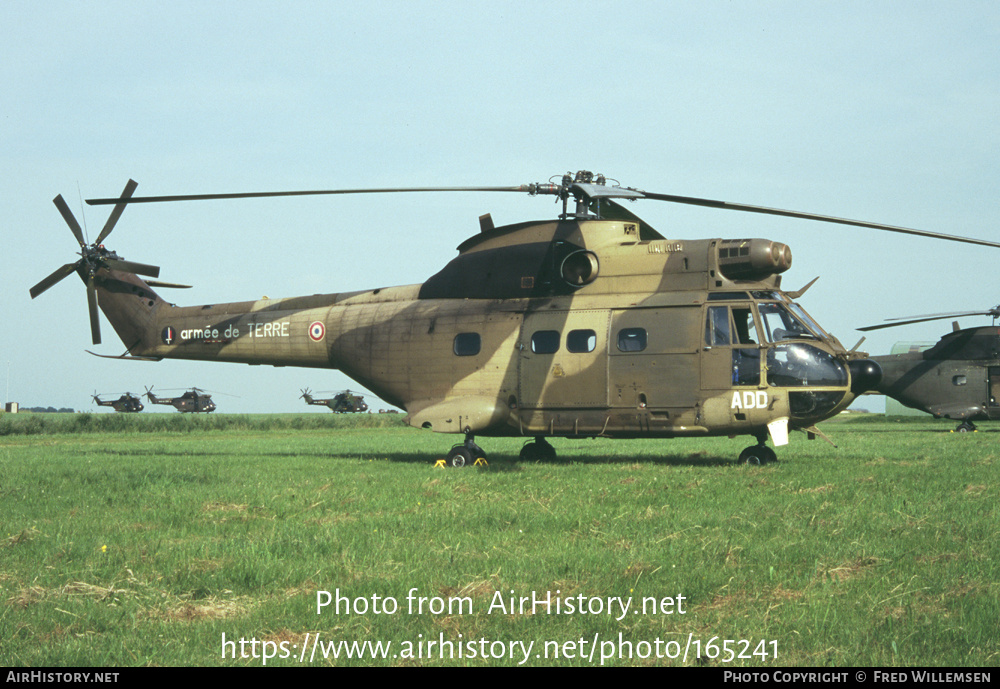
(149,539)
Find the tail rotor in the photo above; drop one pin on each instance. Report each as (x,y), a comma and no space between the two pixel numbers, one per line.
(93,257)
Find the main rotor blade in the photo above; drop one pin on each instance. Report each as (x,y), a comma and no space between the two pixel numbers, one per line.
(929,317)
(690,200)
(526,188)
(589,191)
(95,322)
(952,314)
(67,215)
(132,267)
(117,211)
(893,325)
(52,279)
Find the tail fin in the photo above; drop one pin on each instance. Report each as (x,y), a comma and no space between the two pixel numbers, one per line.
(130,305)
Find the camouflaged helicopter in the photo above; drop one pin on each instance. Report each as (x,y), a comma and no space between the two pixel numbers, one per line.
(193,401)
(342,403)
(591,324)
(958,378)
(127,403)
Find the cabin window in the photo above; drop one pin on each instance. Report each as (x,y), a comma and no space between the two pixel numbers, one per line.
(467,344)
(631,339)
(717,326)
(959,380)
(545,342)
(581,341)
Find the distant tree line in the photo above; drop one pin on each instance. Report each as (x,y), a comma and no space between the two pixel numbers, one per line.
(50,410)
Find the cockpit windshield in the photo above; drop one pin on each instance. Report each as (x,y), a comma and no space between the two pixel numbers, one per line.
(798,364)
(781,324)
(805,317)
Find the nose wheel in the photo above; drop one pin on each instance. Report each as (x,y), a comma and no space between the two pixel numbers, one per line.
(465,454)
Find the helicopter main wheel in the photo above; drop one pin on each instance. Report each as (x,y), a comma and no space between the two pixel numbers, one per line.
(538,450)
(757,455)
(965,427)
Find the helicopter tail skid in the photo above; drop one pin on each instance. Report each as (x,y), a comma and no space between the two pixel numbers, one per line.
(125,357)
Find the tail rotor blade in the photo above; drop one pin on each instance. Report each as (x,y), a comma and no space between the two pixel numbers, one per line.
(132,267)
(117,211)
(95,323)
(52,279)
(67,215)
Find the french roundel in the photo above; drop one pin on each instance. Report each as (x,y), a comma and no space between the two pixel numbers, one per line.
(317,331)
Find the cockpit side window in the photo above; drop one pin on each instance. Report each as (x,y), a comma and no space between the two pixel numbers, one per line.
(735,326)
(746,329)
(720,329)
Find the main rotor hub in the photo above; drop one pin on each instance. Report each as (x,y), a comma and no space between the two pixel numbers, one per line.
(582,186)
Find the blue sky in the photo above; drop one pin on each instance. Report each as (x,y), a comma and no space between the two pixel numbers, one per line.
(879,111)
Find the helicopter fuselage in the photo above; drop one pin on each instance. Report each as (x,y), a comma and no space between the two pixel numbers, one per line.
(342,403)
(190,402)
(958,378)
(126,403)
(560,328)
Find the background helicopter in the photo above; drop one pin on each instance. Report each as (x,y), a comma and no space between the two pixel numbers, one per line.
(590,324)
(958,378)
(127,403)
(341,403)
(194,400)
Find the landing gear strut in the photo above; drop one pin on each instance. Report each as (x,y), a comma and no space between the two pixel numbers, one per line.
(465,454)
(759,454)
(965,427)
(538,450)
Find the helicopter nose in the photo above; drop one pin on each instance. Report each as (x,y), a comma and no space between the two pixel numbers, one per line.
(865,375)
